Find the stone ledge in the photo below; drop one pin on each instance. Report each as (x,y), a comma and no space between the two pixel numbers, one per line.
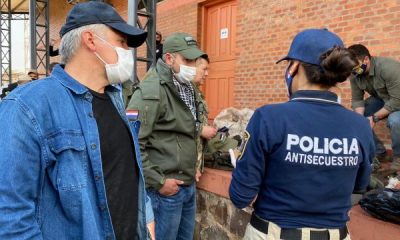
(218,219)
(215,181)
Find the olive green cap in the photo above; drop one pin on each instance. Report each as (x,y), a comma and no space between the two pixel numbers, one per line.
(183,44)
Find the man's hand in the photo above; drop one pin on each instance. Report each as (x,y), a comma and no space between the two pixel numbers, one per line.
(170,187)
(382,113)
(198,175)
(208,132)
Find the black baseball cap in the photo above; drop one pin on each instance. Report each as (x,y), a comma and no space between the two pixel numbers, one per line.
(95,12)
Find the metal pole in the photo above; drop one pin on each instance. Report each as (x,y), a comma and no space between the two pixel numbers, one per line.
(32,21)
(5,42)
(9,42)
(1,50)
(132,20)
(151,29)
(47,30)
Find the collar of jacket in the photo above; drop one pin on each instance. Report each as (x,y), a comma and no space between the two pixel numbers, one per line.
(164,71)
(315,95)
(73,85)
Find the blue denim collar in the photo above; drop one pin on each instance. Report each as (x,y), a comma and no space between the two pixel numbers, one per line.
(67,81)
(315,95)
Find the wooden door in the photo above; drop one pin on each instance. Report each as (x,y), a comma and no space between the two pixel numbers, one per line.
(219,37)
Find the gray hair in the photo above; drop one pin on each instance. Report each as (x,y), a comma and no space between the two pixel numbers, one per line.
(71,41)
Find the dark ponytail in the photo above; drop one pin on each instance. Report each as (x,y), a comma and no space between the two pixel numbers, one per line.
(336,66)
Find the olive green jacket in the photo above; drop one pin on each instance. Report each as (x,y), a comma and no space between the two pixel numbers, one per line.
(383,81)
(168,133)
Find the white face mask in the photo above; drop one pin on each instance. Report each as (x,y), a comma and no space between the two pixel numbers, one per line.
(186,73)
(121,71)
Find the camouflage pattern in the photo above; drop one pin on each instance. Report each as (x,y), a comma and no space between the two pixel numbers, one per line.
(202,118)
(234,119)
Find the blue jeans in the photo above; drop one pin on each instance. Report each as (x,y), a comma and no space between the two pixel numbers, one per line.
(175,215)
(372,105)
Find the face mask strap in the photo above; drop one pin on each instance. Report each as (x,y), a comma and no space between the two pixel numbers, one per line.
(101,59)
(103,40)
(107,43)
(289,79)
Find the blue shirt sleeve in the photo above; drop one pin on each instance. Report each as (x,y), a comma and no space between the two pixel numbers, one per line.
(20,167)
(250,168)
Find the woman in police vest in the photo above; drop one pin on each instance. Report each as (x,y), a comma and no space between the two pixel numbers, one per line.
(304,158)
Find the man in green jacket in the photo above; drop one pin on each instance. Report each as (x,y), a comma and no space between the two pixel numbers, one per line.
(380,78)
(166,104)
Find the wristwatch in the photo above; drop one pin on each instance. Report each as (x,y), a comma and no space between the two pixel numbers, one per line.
(375,118)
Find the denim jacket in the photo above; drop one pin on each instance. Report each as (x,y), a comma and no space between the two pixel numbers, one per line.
(51,178)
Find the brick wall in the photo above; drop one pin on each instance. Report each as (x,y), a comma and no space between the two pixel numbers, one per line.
(265,30)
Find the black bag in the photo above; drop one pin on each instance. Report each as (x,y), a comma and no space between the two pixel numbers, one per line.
(383,204)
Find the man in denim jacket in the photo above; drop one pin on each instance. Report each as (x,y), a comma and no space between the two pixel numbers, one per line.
(70,164)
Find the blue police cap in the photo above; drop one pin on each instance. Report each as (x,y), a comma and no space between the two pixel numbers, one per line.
(101,13)
(310,44)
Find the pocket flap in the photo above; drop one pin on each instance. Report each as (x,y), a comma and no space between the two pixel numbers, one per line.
(64,140)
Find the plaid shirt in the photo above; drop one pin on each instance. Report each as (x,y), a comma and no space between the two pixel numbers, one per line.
(186,93)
